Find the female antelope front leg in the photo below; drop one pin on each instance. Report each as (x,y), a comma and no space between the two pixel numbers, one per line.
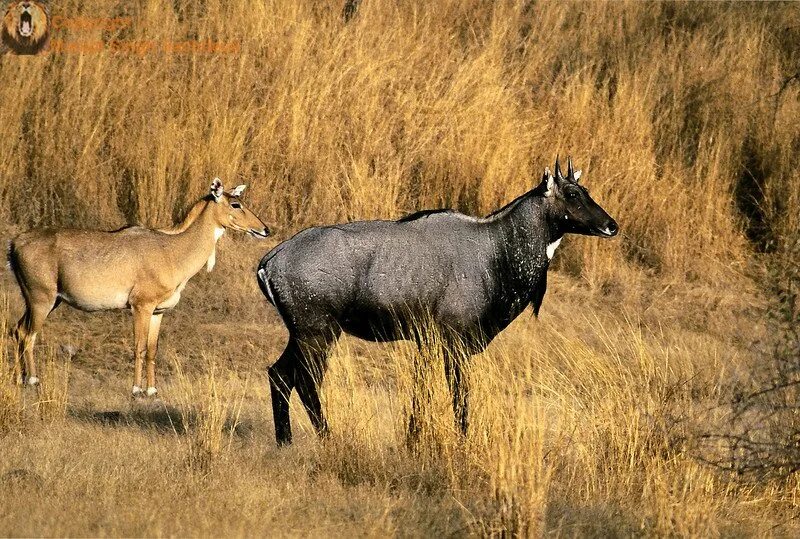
(152,350)
(142,317)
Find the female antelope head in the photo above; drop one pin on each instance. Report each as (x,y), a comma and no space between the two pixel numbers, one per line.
(231,214)
(572,207)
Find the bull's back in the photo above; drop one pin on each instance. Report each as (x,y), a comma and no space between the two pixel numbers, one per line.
(315,267)
(362,276)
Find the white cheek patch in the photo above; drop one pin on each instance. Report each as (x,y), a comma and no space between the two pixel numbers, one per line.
(551,248)
(218,232)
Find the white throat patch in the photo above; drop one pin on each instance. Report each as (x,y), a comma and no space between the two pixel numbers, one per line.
(551,248)
(218,232)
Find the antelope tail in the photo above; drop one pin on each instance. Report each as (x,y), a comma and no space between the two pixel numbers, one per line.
(12,261)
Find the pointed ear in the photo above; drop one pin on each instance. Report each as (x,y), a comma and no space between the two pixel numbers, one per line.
(238,190)
(549,182)
(217,189)
(577,175)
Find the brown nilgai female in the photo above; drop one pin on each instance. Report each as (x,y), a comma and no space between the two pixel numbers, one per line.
(133,268)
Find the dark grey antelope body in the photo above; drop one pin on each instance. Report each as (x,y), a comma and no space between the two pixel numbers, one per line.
(468,276)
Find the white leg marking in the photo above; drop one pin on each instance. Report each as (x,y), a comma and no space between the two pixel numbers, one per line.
(151,391)
(137,391)
(551,249)
(33,381)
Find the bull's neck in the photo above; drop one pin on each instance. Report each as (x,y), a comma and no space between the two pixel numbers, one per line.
(195,246)
(523,233)
(530,225)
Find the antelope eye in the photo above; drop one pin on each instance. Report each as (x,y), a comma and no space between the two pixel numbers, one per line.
(236,205)
(572,194)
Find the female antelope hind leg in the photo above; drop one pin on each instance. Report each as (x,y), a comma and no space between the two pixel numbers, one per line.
(38,306)
(20,334)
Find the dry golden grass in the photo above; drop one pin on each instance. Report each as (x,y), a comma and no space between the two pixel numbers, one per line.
(586,422)
(587,427)
(674,110)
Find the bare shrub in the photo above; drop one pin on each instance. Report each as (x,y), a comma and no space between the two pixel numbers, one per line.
(11,401)
(764,436)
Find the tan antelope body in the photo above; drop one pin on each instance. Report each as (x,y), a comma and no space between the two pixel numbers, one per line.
(137,268)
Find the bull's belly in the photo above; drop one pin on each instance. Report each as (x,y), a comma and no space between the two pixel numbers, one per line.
(370,332)
(379,326)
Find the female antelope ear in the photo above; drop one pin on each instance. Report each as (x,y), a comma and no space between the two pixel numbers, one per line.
(238,190)
(217,189)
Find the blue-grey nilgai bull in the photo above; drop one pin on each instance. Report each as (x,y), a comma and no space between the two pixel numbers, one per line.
(469,277)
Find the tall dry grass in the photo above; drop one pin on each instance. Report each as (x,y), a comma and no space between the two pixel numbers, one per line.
(22,405)
(678,112)
(586,422)
(210,409)
(571,436)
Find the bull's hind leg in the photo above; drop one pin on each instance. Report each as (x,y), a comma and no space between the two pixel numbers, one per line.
(308,378)
(454,369)
(281,383)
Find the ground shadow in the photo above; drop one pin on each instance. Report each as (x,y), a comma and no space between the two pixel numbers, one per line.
(154,417)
